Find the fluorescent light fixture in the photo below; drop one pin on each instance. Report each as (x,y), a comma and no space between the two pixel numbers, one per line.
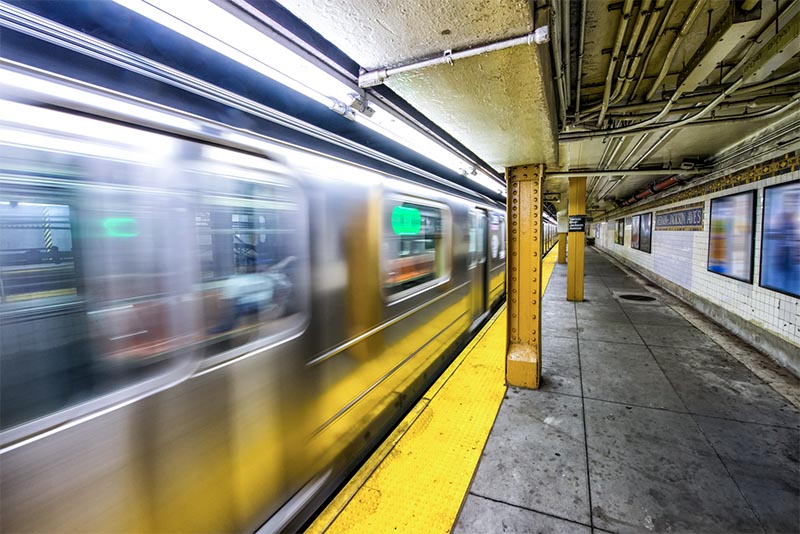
(389,126)
(487,181)
(215,28)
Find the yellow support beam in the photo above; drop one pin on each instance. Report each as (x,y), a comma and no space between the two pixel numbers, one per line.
(576,239)
(524,264)
(562,247)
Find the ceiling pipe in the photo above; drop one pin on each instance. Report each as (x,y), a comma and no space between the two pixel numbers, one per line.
(559,62)
(378,76)
(653,189)
(639,127)
(601,164)
(627,172)
(580,59)
(627,8)
(643,43)
(691,121)
(565,50)
(627,72)
(693,101)
(698,98)
(631,152)
(736,105)
(662,30)
(631,50)
(684,31)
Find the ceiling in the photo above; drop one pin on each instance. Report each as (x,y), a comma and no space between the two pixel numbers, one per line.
(484,100)
(603,94)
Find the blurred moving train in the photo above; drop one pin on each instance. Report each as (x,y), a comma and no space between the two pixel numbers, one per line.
(207,332)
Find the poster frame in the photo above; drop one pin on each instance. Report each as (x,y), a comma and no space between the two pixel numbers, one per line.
(753,199)
(642,216)
(763,231)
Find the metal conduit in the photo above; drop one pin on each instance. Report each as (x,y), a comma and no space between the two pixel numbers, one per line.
(630,50)
(685,27)
(600,164)
(686,102)
(627,172)
(643,42)
(378,76)
(631,152)
(580,59)
(623,25)
(559,63)
(565,49)
(579,136)
(684,30)
(660,141)
(627,72)
(661,31)
(737,107)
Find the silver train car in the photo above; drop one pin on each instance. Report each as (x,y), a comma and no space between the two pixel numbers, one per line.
(206,332)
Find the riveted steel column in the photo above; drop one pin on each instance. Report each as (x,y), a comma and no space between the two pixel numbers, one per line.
(524,263)
(563,227)
(576,239)
(562,247)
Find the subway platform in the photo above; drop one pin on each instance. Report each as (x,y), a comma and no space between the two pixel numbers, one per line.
(649,419)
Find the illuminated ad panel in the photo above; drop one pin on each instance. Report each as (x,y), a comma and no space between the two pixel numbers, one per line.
(635,231)
(780,239)
(645,232)
(730,247)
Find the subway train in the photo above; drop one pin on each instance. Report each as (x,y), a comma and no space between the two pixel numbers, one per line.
(206,330)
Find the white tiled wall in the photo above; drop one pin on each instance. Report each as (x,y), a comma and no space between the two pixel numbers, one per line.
(681,257)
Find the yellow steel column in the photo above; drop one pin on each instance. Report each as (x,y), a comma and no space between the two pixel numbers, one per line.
(524,264)
(562,247)
(576,239)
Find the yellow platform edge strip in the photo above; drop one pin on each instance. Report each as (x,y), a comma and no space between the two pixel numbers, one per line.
(418,477)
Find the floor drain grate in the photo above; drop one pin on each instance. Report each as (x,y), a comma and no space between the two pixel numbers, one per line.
(638,298)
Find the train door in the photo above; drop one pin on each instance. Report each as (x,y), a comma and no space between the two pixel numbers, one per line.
(478,238)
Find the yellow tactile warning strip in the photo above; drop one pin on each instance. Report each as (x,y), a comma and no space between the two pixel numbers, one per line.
(417,479)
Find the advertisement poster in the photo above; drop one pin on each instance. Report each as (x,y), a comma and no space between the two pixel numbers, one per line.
(730,247)
(619,238)
(635,231)
(780,239)
(645,232)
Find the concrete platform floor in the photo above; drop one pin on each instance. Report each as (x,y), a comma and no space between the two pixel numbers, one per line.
(644,423)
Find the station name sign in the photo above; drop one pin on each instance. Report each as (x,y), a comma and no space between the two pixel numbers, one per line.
(687,218)
(577,223)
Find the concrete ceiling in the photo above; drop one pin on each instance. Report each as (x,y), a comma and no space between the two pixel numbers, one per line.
(495,103)
(650,61)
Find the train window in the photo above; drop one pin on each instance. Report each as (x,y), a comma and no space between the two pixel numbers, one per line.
(416,244)
(252,261)
(36,257)
(502,236)
(477,232)
(497,236)
(88,282)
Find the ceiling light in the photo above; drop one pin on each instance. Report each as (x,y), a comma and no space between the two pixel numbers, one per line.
(215,28)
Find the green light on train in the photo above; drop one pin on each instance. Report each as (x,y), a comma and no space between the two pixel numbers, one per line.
(120,227)
(406,221)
